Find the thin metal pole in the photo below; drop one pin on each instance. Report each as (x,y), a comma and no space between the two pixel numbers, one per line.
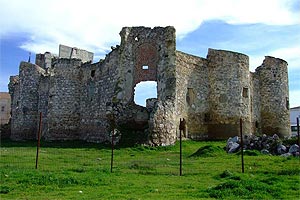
(298,131)
(180,142)
(38,141)
(112,151)
(242,143)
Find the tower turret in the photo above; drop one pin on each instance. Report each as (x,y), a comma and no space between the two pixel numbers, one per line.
(274,91)
(229,96)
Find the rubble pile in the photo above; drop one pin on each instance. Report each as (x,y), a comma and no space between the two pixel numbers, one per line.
(265,144)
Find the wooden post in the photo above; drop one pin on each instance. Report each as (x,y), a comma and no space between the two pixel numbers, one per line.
(38,141)
(112,150)
(298,131)
(181,128)
(113,129)
(180,139)
(242,144)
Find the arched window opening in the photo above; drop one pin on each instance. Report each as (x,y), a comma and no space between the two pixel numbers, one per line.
(143,91)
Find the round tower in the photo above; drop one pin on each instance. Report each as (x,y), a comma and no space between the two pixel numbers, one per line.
(229,97)
(274,91)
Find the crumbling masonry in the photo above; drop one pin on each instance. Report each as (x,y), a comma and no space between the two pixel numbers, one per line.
(80,100)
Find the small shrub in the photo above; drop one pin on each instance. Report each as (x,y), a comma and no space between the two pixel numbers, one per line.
(226,174)
(208,151)
(4,189)
(246,189)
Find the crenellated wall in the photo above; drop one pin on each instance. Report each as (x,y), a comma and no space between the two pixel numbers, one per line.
(81,100)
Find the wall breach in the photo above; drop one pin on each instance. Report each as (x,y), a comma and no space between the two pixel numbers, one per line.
(80,100)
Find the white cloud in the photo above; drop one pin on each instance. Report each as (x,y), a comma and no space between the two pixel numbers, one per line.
(294,98)
(271,12)
(94,25)
(290,54)
(255,61)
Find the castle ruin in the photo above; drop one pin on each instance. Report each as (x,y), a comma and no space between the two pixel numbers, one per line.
(80,100)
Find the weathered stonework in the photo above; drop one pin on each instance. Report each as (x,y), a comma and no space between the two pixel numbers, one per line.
(83,100)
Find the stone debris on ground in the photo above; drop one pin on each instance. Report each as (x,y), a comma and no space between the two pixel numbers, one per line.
(265,144)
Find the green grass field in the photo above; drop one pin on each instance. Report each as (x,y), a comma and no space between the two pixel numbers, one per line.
(76,170)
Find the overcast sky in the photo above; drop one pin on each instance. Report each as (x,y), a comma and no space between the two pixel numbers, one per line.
(253,27)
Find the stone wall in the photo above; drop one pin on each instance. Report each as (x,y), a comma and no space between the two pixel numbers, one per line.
(64,100)
(5,103)
(97,90)
(24,91)
(192,94)
(45,60)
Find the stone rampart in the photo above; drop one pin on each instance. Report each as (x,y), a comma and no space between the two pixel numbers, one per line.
(81,100)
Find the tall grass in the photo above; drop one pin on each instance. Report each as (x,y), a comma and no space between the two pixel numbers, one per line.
(77,170)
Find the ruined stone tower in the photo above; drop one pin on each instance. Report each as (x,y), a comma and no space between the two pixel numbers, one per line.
(82,100)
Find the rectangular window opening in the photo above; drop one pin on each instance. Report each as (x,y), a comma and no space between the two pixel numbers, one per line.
(245,92)
(145,67)
(93,73)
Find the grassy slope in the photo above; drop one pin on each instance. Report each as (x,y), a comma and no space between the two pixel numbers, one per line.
(143,173)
